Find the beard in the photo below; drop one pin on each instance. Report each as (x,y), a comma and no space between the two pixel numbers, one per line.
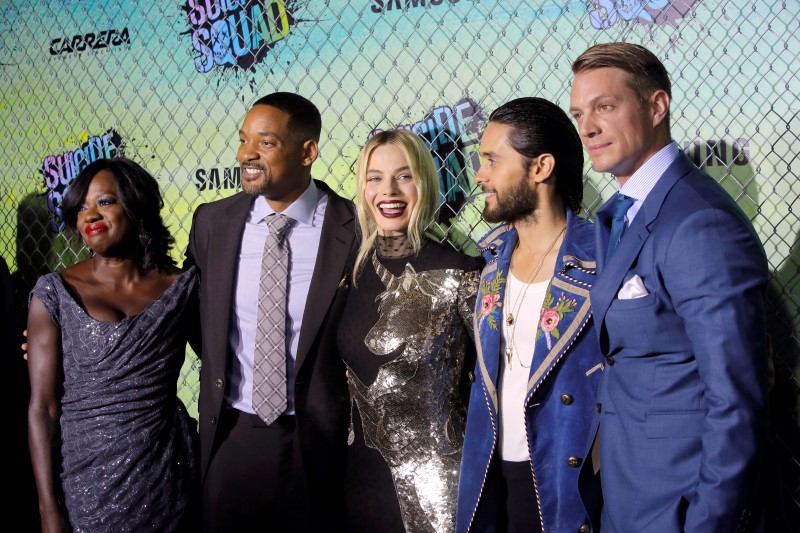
(260,187)
(515,204)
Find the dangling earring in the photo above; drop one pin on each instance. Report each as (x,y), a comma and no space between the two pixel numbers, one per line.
(144,238)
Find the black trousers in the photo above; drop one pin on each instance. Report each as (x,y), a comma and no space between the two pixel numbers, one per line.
(518,511)
(256,481)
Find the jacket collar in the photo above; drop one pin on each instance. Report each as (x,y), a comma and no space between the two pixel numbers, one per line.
(567,297)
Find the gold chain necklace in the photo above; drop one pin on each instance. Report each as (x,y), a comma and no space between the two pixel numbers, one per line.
(511,322)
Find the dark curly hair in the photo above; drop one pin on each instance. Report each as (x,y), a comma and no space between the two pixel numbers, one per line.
(141,198)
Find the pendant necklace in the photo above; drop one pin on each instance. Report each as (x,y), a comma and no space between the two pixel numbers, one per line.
(517,305)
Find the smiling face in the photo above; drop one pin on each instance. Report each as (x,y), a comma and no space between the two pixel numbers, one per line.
(619,131)
(502,176)
(390,191)
(274,162)
(102,221)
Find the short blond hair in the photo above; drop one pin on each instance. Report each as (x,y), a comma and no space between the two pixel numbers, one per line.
(646,73)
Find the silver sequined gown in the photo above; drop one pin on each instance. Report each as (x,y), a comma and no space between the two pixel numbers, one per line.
(128,444)
(404,338)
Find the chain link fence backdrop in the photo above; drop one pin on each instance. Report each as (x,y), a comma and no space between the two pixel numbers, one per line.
(168,83)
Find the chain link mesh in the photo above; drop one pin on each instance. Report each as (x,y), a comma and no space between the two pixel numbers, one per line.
(168,83)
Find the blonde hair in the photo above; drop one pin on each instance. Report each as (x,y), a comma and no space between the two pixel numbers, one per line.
(426,180)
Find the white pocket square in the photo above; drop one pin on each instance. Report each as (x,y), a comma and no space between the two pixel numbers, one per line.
(633,288)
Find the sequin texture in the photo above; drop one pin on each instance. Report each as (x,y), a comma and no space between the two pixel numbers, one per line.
(128,461)
(413,412)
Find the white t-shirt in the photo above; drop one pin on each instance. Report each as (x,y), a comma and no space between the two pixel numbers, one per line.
(523,301)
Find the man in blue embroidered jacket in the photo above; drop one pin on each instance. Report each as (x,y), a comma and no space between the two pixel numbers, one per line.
(538,360)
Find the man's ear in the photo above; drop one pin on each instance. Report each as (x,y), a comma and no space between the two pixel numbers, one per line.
(659,106)
(310,152)
(541,167)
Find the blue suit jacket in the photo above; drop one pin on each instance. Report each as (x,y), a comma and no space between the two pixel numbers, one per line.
(683,397)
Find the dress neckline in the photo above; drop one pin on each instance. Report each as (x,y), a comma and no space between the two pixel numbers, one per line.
(178,281)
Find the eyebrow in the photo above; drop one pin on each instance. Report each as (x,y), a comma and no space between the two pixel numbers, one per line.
(263,133)
(595,99)
(377,171)
(488,154)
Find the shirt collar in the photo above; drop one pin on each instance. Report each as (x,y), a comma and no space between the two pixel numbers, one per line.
(645,178)
(301,210)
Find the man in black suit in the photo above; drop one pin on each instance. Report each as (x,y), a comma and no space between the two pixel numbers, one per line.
(284,475)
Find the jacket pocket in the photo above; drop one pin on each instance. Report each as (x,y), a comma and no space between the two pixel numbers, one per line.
(678,424)
(623,304)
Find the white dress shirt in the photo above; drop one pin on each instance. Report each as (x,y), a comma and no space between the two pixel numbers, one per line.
(303,237)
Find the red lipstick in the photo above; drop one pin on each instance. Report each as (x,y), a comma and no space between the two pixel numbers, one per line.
(94,229)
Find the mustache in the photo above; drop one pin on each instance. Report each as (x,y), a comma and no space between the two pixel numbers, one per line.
(477,195)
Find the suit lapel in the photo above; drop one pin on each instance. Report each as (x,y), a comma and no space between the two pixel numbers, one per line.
(613,274)
(489,313)
(602,231)
(566,305)
(223,249)
(335,248)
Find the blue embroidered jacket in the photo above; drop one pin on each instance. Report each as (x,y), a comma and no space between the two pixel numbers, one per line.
(560,402)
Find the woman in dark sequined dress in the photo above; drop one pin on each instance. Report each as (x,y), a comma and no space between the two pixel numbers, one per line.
(112,446)
(406,340)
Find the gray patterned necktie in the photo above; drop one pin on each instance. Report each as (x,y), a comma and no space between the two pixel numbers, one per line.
(269,366)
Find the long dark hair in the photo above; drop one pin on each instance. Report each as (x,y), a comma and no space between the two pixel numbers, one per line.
(539,126)
(141,198)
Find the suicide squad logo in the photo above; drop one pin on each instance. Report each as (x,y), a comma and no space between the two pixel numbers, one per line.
(228,34)
(453,135)
(606,13)
(59,170)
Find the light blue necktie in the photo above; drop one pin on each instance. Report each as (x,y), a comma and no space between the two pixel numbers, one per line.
(621,205)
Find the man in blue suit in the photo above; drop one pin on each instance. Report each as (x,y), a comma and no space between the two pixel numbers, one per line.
(678,307)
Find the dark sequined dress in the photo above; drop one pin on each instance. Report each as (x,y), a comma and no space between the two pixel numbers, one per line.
(404,337)
(128,443)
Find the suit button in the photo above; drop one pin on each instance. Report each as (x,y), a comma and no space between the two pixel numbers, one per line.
(566,399)
(584,528)
(610,360)
(219,383)
(471,377)
(213,419)
(599,407)
(574,462)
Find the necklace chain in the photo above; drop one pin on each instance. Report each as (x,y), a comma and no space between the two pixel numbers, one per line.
(511,321)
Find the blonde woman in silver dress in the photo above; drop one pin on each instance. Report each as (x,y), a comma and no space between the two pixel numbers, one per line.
(405,337)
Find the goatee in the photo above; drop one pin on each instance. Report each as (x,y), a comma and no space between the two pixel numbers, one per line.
(516,203)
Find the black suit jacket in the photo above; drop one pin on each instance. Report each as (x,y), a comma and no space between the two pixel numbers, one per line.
(321,397)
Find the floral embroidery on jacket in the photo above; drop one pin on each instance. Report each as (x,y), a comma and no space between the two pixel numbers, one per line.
(551,315)
(491,298)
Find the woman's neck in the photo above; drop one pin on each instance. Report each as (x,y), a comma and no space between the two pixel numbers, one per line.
(393,246)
